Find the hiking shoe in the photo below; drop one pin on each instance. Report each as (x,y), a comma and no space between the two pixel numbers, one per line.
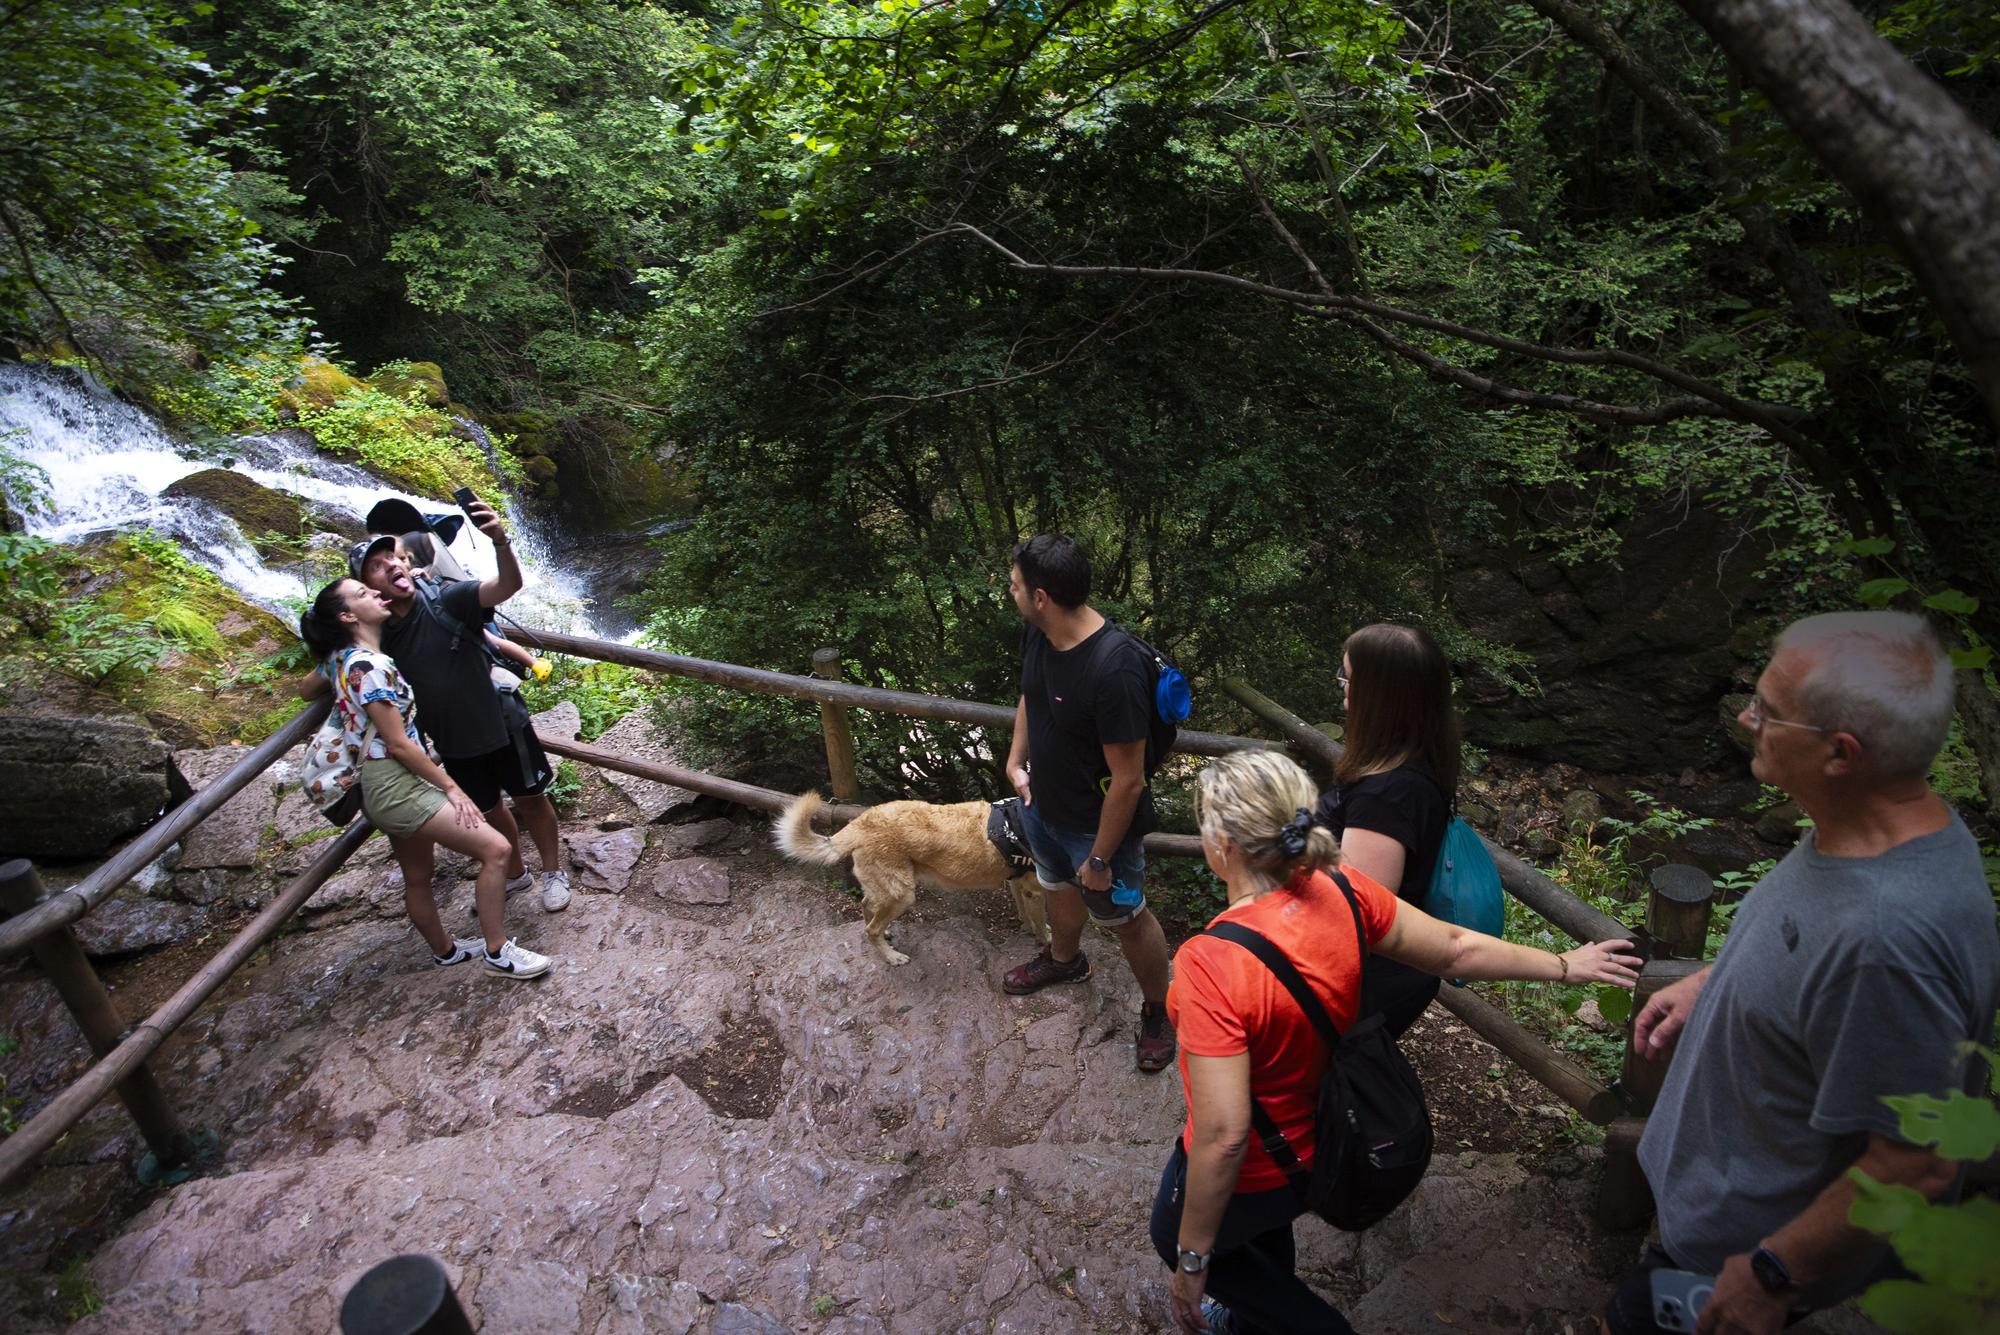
(514,962)
(462,949)
(1156,1038)
(555,891)
(1042,970)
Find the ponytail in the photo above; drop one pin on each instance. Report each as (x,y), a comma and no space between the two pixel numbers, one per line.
(320,625)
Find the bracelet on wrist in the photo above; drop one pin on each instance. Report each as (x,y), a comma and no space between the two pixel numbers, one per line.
(1564,962)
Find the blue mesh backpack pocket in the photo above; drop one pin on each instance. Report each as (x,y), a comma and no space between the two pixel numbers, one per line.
(1465,885)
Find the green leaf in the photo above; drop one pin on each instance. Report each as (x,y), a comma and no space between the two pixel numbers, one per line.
(1882,1207)
(1865,547)
(1960,1126)
(1953,1246)
(1879,592)
(1909,1308)
(1977,658)
(1614,1003)
(1951,600)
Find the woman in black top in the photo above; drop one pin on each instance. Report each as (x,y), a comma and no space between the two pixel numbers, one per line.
(1391,796)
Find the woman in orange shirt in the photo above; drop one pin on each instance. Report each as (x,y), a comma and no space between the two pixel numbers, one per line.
(1223,1216)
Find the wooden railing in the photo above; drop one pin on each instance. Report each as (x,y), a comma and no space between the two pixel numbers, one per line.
(31,921)
(41,924)
(1590,1097)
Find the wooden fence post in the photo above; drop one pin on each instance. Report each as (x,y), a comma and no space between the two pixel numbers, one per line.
(1678,907)
(839,737)
(69,971)
(1623,1198)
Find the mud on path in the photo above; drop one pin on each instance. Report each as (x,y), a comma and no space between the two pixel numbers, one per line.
(720,1113)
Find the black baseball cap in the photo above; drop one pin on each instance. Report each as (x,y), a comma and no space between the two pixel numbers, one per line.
(357,555)
(397,515)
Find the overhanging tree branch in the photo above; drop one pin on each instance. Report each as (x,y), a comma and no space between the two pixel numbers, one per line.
(1924,171)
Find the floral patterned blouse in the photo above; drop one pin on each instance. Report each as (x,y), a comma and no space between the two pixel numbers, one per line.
(361,677)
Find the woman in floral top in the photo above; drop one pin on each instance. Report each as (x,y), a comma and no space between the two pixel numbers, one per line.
(405,793)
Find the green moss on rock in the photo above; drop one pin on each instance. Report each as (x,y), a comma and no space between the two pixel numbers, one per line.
(423,381)
(318,384)
(270,519)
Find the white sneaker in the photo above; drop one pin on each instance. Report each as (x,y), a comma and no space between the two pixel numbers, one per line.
(462,949)
(514,962)
(555,891)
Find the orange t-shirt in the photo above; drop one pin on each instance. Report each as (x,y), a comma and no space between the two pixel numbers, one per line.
(1223,1000)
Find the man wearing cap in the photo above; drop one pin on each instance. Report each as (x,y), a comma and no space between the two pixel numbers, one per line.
(437,645)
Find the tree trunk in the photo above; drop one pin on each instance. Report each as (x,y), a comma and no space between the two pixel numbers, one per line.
(1924,171)
(1979,720)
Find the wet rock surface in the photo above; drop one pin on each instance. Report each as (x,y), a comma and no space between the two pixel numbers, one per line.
(707,1118)
(228,837)
(637,735)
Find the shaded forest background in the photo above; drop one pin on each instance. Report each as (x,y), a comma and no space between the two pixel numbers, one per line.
(1292,310)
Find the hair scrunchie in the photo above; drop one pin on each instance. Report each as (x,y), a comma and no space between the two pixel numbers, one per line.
(1293,834)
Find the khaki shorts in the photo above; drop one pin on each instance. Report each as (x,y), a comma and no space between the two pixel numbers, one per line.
(395,800)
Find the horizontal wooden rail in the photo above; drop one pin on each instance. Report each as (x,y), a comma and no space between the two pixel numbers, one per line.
(770,799)
(63,1112)
(66,906)
(1538,892)
(765,682)
(1549,1068)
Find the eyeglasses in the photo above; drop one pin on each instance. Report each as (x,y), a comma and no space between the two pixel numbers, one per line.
(1758,719)
(1341,678)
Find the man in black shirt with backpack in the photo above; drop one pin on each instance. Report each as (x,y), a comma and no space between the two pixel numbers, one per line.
(1078,760)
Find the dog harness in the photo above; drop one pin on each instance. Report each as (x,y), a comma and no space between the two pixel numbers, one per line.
(1004,832)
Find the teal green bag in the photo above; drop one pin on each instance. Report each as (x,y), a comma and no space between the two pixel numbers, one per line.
(1465,885)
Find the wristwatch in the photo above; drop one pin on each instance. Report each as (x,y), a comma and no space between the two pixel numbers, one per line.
(1096,863)
(1193,1263)
(1770,1271)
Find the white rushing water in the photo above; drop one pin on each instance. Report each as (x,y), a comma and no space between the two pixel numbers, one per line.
(108,463)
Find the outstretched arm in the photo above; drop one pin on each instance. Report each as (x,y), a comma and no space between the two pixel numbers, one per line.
(1417,939)
(506,581)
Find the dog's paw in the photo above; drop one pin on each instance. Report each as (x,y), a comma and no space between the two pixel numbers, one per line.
(894,956)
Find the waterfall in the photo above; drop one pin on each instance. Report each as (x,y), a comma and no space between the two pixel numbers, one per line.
(107,463)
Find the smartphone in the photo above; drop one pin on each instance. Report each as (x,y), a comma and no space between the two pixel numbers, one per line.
(1678,1296)
(465,498)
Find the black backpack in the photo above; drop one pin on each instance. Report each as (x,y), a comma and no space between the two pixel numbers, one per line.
(1171,699)
(1371,1128)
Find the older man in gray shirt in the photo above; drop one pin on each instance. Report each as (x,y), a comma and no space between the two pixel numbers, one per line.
(1856,970)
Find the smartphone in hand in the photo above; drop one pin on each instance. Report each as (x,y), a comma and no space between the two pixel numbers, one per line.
(465,498)
(1678,1296)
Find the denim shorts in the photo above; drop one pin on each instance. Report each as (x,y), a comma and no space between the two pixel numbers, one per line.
(1058,853)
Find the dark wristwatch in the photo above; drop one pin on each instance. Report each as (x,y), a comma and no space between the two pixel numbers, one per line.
(1096,863)
(1193,1263)
(1770,1271)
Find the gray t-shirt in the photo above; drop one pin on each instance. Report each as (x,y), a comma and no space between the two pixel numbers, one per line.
(1843,980)
(456,703)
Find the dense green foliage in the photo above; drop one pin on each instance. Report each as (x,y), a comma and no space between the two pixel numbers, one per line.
(1346,290)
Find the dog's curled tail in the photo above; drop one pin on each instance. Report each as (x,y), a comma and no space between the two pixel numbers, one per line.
(796,838)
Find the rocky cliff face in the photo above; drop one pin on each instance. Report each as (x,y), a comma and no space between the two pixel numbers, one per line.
(1632,657)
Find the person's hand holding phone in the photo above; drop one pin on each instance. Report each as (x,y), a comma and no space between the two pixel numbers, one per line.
(482,516)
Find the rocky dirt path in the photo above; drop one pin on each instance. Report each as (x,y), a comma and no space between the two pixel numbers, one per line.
(720,1113)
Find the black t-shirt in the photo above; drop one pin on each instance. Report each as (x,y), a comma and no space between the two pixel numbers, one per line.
(1081,700)
(457,706)
(1405,804)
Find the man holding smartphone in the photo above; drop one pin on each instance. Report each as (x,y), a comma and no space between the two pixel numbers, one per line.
(487,744)
(1860,968)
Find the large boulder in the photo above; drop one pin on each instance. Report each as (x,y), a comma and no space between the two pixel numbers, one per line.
(636,735)
(75,786)
(268,518)
(1632,655)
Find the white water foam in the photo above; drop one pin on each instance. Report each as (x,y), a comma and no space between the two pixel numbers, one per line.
(107,463)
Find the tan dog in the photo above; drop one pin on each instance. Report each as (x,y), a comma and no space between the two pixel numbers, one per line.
(899,845)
